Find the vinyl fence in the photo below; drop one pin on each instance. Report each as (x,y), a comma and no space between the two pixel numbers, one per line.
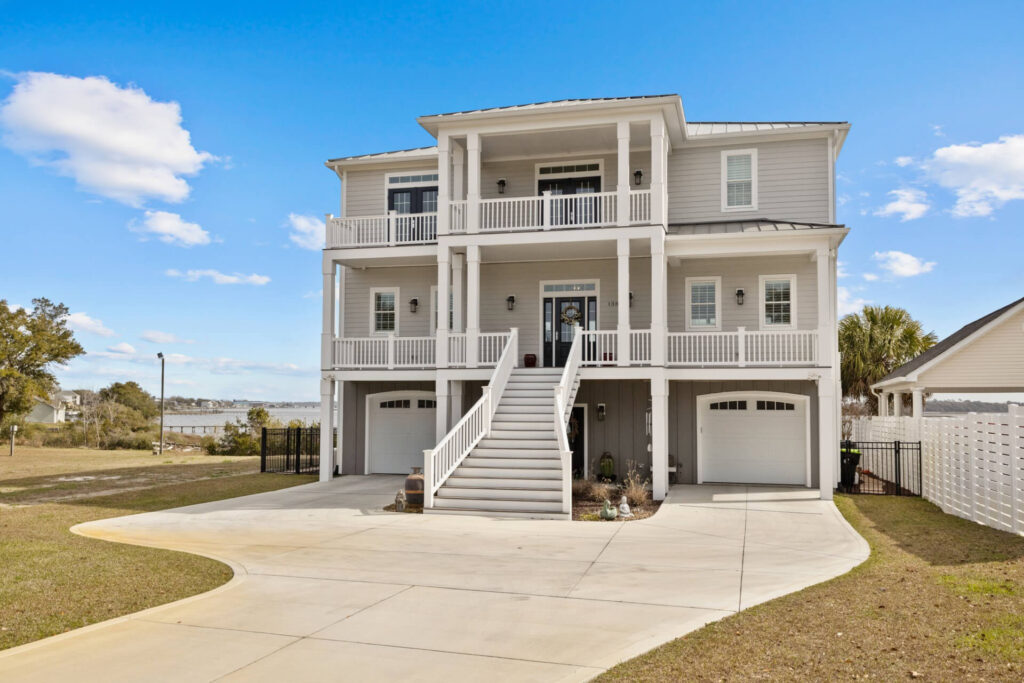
(972,465)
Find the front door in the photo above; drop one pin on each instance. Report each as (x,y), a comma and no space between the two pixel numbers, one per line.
(560,315)
(572,212)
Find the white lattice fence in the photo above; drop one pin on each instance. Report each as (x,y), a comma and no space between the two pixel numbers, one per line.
(972,465)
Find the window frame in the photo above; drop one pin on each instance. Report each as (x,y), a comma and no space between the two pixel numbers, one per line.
(764,325)
(726,153)
(417,188)
(374,291)
(690,281)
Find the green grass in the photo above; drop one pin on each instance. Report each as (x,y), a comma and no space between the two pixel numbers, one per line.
(939,599)
(53,581)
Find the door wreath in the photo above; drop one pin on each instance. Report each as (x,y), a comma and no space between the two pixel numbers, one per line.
(571,315)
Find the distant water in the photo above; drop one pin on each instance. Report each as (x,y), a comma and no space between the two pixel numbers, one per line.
(286,415)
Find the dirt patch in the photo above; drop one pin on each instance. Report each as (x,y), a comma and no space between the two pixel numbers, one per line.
(409,508)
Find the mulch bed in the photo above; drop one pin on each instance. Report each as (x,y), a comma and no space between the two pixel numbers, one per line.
(587,511)
(409,508)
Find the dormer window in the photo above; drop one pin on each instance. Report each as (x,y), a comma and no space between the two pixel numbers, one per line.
(739,180)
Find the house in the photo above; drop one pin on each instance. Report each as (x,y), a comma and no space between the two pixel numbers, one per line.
(983,356)
(557,281)
(49,411)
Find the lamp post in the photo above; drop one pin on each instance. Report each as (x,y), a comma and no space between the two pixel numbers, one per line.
(161,357)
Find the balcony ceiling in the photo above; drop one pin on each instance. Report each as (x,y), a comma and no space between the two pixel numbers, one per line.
(563,142)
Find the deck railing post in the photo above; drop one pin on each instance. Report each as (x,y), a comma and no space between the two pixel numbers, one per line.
(546,210)
(741,346)
(391,349)
(896,457)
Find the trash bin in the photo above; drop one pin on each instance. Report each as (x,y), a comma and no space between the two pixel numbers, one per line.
(849,459)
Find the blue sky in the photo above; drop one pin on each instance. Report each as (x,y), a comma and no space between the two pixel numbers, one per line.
(267,92)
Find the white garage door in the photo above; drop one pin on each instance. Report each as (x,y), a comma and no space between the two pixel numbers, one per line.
(399,427)
(754,439)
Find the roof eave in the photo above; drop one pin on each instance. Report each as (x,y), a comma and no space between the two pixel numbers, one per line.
(805,131)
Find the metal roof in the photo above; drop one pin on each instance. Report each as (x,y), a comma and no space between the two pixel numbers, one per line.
(396,155)
(551,104)
(699,128)
(754,225)
(947,343)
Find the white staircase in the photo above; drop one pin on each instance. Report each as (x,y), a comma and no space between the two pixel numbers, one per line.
(517,470)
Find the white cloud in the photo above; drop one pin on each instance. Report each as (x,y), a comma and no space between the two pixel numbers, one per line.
(842,199)
(983,176)
(908,204)
(870,277)
(217,366)
(306,231)
(903,161)
(219,277)
(172,229)
(121,348)
(115,142)
(841,269)
(937,130)
(901,264)
(158,337)
(848,303)
(80,322)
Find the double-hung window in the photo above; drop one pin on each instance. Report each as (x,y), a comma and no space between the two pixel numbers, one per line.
(778,302)
(739,180)
(704,303)
(384,310)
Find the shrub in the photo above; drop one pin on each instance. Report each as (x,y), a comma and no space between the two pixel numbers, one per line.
(634,486)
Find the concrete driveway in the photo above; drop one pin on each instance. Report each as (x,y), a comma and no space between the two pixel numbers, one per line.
(329,588)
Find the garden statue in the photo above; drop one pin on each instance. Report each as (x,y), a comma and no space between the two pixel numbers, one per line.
(400,501)
(624,508)
(607,511)
(606,467)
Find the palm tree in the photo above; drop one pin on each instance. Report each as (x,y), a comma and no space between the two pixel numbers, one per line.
(875,342)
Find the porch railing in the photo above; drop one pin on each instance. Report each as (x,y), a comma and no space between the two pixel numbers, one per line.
(384,352)
(440,462)
(564,396)
(640,206)
(379,231)
(457,216)
(742,348)
(601,348)
(511,213)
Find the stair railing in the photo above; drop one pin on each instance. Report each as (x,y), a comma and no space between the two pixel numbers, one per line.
(564,395)
(440,462)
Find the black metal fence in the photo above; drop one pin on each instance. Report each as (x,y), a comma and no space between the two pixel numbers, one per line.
(889,468)
(290,450)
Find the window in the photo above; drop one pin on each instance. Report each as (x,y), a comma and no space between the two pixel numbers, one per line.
(729,405)
(426,403)
(412,193)
(396,403)
(775,405)
(384,310)
(778,301)
(704,303)
(739,180)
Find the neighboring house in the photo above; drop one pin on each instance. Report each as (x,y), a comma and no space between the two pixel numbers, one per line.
(51,411)
(986,355)
(697,259)
(69,399)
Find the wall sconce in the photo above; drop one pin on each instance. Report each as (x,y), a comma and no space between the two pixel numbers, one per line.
(631,299)
(602,412)
(638,176)
(501,185)
(739,296)
(511,302)
(413,304)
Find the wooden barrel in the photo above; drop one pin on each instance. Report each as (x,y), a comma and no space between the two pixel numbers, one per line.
(414,487)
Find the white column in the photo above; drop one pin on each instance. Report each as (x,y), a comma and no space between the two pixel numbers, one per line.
(473,183)
(918,398)
(340,323)
(458,388)
(457,293)
(458,171)
(659,306)
(441,425)
(472,306)
(826,325)
(897,404)
(327,333)
(326,428)
(623,174)
(623,282)
(339,426)
(659,437)
(883,404)
(828,439)
(444,191)
(441,331)
(658,155)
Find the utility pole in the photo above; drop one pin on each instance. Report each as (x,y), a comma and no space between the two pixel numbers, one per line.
(14,430)
(161,357)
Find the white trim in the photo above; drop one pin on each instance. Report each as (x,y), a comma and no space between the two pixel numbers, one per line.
(540,301)
(426,183)
(433,309)
(717,279)
(792,302)
(599,173)
(726,153)
(409,393)
(704,399)
(397,291)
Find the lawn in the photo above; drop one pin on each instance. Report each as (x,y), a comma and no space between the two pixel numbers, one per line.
(54,581)
(940,598)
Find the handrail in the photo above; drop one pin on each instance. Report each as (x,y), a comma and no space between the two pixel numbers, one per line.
(561,410)
(441,461)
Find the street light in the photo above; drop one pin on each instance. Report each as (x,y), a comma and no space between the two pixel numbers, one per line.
(161,357)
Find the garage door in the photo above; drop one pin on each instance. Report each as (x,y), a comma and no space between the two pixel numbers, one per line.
(399,427)
(754,439)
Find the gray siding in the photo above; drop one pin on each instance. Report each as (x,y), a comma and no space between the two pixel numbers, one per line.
(792,182)
(367,193)
(521,175)
(411,281)
(353,458)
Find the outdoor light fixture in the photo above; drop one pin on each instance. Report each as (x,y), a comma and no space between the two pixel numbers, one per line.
(739,296)
(413,304)
(638,176)
(602,412)
(501,185)
(631,299)
(511,302)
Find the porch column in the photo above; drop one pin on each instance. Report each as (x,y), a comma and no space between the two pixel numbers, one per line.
(457,261)
(472,306)
(883,404)
(340,323)
(441,396)
(918,398)
(659,306)
(458,169)
(339,426)
(623,355)
(659,437)
(826,326)
(828,439)
(473,183)
(458,388)
(441,329)
(444,192)
(326,428)
(623,174)
(897,404)
(327,333)
(658,155)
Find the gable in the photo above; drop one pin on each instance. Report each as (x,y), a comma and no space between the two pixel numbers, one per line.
(994,359)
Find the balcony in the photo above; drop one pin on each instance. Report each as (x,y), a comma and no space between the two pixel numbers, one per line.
(388,230)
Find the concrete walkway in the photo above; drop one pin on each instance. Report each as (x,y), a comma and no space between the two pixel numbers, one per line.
(329,588)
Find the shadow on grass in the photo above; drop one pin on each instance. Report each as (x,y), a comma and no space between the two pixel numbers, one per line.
(921,529)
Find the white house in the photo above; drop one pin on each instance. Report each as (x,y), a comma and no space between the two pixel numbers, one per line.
(49,411)
(674,283)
